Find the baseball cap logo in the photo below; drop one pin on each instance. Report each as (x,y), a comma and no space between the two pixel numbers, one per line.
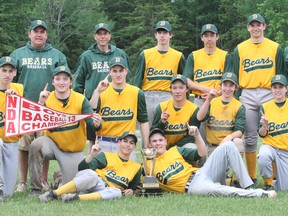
(162,23)
(254,16)
(208,26)
(278,77)
(8,59)
(62,68)
(229,75)
(117,59)
(39,22)
(101,25)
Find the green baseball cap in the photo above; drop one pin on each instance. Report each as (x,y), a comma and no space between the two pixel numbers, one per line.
(164,25)
(256,17)
(7,60)
(129,133)
(179,77)
(62,69)
(36,23)
(279,78)
(209,28)
(156,130)
(118,61)
(102,26)
(228,76)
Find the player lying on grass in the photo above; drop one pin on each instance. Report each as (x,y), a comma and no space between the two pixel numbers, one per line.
(102,175)
(175,174)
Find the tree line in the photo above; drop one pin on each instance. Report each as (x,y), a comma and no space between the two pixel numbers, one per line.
(71,23)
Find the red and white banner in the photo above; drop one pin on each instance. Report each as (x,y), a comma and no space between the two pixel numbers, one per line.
(25,116)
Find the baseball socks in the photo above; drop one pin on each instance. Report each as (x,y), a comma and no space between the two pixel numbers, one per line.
(251,158)
(90,196)
(66,188)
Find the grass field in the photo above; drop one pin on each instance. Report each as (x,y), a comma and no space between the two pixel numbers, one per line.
(168,204)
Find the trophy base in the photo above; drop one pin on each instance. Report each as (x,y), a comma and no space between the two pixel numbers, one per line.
(149,191)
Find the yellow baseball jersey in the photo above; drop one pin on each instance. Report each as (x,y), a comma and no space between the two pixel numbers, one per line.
(176,126)
(221,120)
(172,171)
(71,137)
(160,68)
(277,136)
(118,173)
(257,63)
(208,69)
(19,88)
(118,111)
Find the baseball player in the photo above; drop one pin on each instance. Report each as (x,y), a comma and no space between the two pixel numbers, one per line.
(35,65)
(120,105)
(155,68)
(94,65)
(66,143)
(205,67)
(8,145)
(174,172)
(273,130)
(256,61)
(102,176)
(172,115)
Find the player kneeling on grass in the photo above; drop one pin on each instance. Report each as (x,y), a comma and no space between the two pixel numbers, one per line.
(273,129)
(102,176)
(174,172)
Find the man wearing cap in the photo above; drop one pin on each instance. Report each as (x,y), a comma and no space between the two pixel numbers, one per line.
(121,105)
(35,65)
(102,175)
(8,145)
(174,172)
(155,68)
(172,115)
(94,65)
(256,61)
(66,143)
(273,129)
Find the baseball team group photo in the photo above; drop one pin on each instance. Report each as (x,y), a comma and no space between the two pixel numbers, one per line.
(171,131)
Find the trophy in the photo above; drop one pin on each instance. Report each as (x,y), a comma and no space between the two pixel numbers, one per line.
(149,186)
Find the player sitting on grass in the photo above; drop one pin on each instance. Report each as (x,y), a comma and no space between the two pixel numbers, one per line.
(102,176)
(273,129)
(175,174)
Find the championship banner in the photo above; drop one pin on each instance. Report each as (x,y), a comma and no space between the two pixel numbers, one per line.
(25,116)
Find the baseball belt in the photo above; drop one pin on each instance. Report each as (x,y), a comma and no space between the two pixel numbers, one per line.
(189,181)
(109,139)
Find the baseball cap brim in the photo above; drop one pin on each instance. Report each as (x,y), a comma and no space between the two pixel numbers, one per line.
(126,134)
(156,130)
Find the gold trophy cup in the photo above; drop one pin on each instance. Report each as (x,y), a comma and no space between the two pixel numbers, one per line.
(149,186)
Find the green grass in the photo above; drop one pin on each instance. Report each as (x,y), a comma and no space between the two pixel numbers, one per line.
(168,204)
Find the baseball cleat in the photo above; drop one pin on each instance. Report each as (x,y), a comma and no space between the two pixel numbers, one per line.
(69,197)
(47,196)
(270,194)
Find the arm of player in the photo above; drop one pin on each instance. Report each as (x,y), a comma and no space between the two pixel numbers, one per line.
(230,137)
(145,130)
(95,149)
(205,107)
(201,146)
(164,116)
(44,95)
(102,86)
(11,92)
(195,86)
(263,130)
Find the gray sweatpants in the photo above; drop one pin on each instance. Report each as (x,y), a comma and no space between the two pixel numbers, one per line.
(210,179)
(8,166)
(45,148)
(87,181)
(153,98)
(267,155)
(252,99)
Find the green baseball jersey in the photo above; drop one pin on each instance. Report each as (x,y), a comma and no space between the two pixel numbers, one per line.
(120,110)
(175,128)
(207,69)
(223,119)
(93,66)
(277,114)
(71,137)
(35,68)
(19,88)
(155,69)
(256,64)
(173,169)
(114,170)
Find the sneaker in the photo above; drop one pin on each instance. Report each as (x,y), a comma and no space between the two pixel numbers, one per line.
(235,183)
(35,192)
(21,187)
(255,183)
(268,187)
(47,196)
(69,197)
(1,195)
(270,194)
